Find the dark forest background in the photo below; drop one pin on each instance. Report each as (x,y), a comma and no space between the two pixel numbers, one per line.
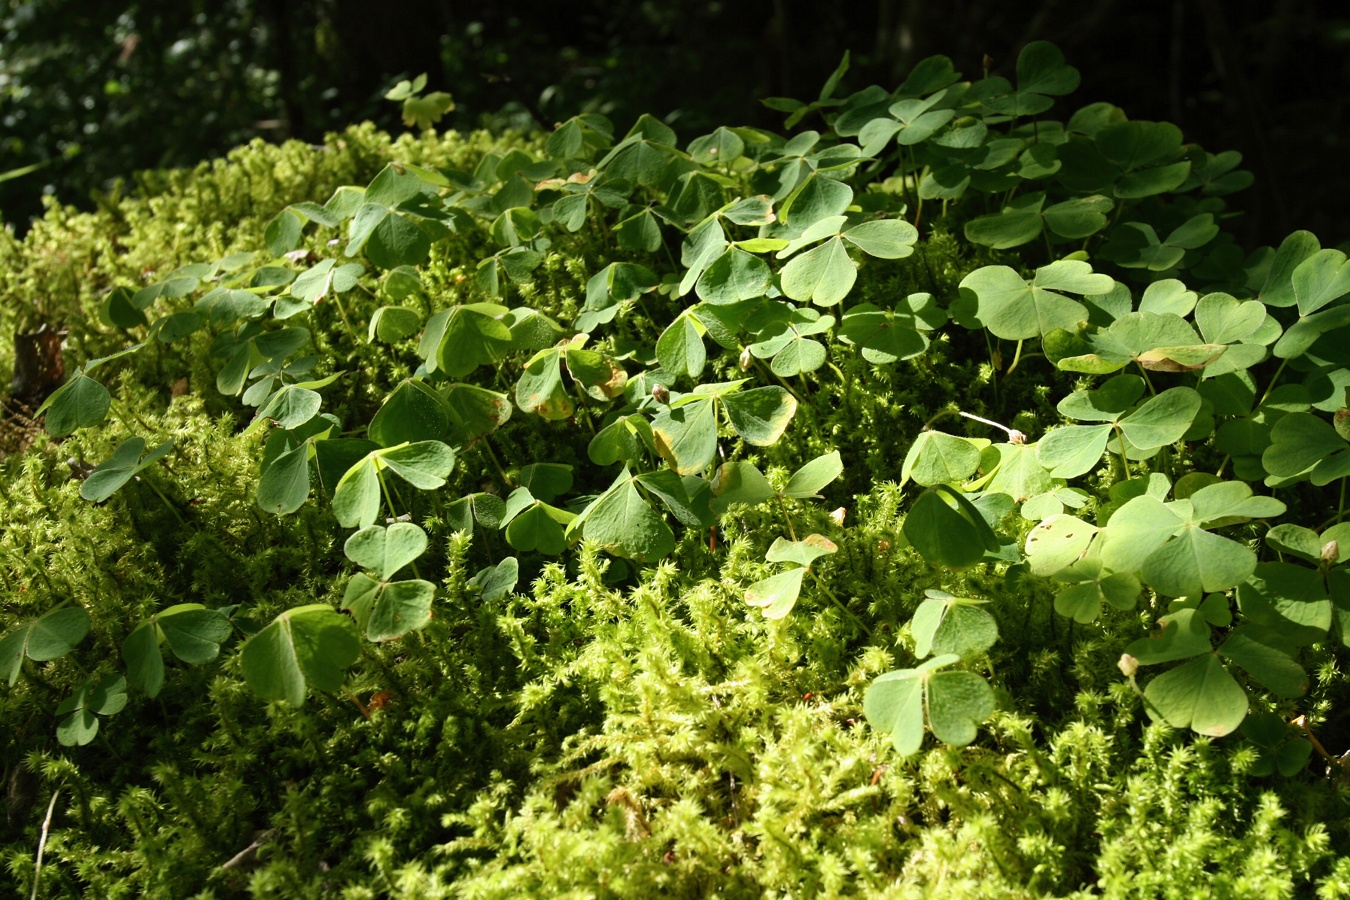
(92,90)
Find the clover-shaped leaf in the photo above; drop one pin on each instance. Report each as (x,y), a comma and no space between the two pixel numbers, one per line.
(939,458)
(462,338)
(951,703)
(49,636)
(492,583)
(1091,585)
(624,523)
(387,610)
(734,276)
(811,478)
(356,498)
(1057,542)
(1282,748)
(1200,694)
(738,481)
(81,402)
(105,697)
(414,411)
(1014,309)
(945,624)
(824,275)
(307,646)
(120,468)
(1302,443)
(1181,635)
(947,529)
(386,550)
(194,635)
(777,594)
(803,552)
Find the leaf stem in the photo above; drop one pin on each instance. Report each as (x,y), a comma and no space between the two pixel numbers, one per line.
(1017,357)
(1014,436)
(343,313)
(173,509)
(1274,379)
(820,582)
(42,842)
(496,464)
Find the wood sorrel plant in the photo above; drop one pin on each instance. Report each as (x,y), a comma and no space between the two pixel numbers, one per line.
(736,287)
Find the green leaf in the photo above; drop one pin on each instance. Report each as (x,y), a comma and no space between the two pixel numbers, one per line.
(939,458)
(475,412)
(106,697)
(680,349)
(759,416)
(884,238)
(386,550)
(462,338)
(1163,419)
(818,197)
(1270,665)
(546,480)
(1200,694)
(1194,561)
(952,702)
(145,664)
(824,275)
(640,232)
(193,632)
(686,436)
(1288,602)
(1078,218)
(539,527)
(1057,542)
(1223,320)
(356,498)
(1011,228)
(1300,442)
(734,276)
(396,609)
(1073,450)
(623,439)
(79,403)
(424,464)
(944,624)
(1320,279)
(307,646)
(622,522)
(947,529)
(1296,541)
(810,479)
(49,636)
(540,388)
(739,482)
(1280,749)
(282,234)
(1182,634)
(414,411)
(288,408)
(492,583)
(283,484)
(803,552)
(776,595)
(1138,528)
(1091,586)
(1014,309)
(118,310)
(120,468)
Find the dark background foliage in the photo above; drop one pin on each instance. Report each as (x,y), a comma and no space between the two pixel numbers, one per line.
(94,91)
